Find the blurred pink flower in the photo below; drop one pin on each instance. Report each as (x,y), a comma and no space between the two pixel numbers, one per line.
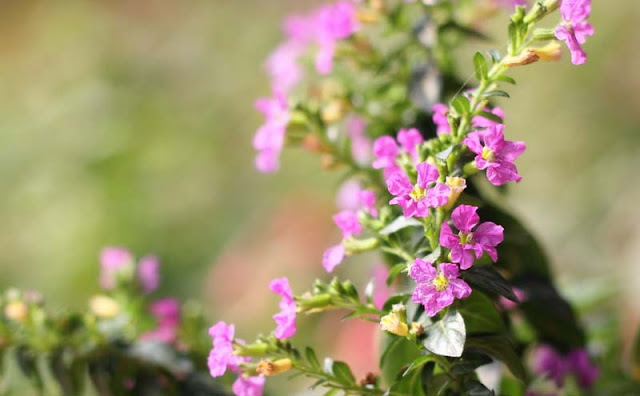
(286,318)
(167,314)
(269,138)
(437,289)
(148,273)
(574,28)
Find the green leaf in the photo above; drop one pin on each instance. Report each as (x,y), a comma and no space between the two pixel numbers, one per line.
(486,278)
(480,315)
(507,79)
(398,352)
(395,299)
(418,363)
(311,357)
(332,392)
(460,104)
(343,373)
(499,347)
(410,384)
(446,337)
(399,224)
(469,362)
(489,94)
(491,117)
(394,272)
(476,388)
(480,65)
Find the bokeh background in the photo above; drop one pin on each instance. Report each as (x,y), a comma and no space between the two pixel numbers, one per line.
(130,123)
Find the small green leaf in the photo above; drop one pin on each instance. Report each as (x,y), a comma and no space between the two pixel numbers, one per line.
(312,358)
(469,362)
(400,223)
(486,278)
(394,272)
(446,337)
(495,93)
(461,104)
(481,68)
(491,117)
(507,79)
(343,373)
(418,363)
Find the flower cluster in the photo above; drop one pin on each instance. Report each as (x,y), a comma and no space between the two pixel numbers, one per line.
(550,363)
(118,263)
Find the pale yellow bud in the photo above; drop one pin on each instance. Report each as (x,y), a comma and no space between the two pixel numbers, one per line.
(550,52)
(16,310)
(456,186)
(104,307)
(527,57)
(394,325)
(268,368)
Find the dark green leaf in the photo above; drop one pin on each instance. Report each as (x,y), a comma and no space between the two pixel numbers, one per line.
(395,299)
(486,278)
(418,363)
(507,79)
(489,94)
(480,315)
(461,104)
(499,347)
(446,337)
(343,373)
(480,65)
(398,352)
(469,362)
(476,388)
(491,117)
(410,384)
(312,358)
(394,272)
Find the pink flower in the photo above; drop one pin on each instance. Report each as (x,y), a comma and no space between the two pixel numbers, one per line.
(415,201)
(221,356)
(550,363)
(282,66)
(333,257)
(410,139)
(148,274)
(463,245)
(481,122)
(286,318)
(440,118)
(495,154)
(360,143)
(348,223)
(368,202)
(385,151)
(381,292)
(348,196)
(574,29)
(269,138)
(333,22)
(437,289)
(167,314)
(113,260)
(250,386)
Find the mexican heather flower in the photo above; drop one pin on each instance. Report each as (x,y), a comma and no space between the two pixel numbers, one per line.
(112,261)
(468,241)
(437,289)
(348,196)
(409,139)
(574,28)
(286,318)
(167,314)
(148,273)
(221,356)
(385,151)
(269,138)
(440,118)
(495,154)
(368,202)
(333,22)
(348,223)
(360,143)
(250,386)
(416,200)
(333,257)
(282,66)
(550,363)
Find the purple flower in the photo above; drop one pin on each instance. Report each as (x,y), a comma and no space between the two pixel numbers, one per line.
(468,242)
(167,314)
(221,356)
(269,138)
(440,112)
(348,196)
(409,139)
(360,143)
(385,151)
(415,201)
(148,274)
(333,22)
(495,154)
(550,363)
(437,289)
(282,66)
(250,386)
(286,318)
(368,202)
(574,29)
(348,223)
(113,260)
(333,257)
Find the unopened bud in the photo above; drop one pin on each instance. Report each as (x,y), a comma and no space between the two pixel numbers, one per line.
(334,111)
(258,349)
(269,368)
(16,310)
(527,57)
(550,52)
(456,186)
(104,307)
(353,246)
(314,144)
(393,324)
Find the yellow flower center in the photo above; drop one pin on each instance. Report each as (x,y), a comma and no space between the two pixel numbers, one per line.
(488,154)
(418,193)
(465,238)
(441,282)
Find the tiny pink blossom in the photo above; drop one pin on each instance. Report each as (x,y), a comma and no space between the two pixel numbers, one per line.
(440,112)
(348,223)
(348,196)
(249,386)
(495,154)
(468,241)
(269,138)
(112,261)
(333,22)
(167,314)
(574,28)
(437,289)
(415,201)
(282,66)
(410,139)
(148,273)
(286,318)
(479,122)
(550,363)
(360,143)
(368,202)
(332,257)
(385,151)
(221,356)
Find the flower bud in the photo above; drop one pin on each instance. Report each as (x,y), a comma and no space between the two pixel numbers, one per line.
(258,349)
(269,368)
(353,246)
(17,310)
(104,307)
(550,52)
(456,186)
(396,321)
(334,111)
(368,16)
(314,144)
(314,303)
(527,57)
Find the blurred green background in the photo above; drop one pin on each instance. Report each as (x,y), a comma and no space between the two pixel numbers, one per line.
(130,123)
